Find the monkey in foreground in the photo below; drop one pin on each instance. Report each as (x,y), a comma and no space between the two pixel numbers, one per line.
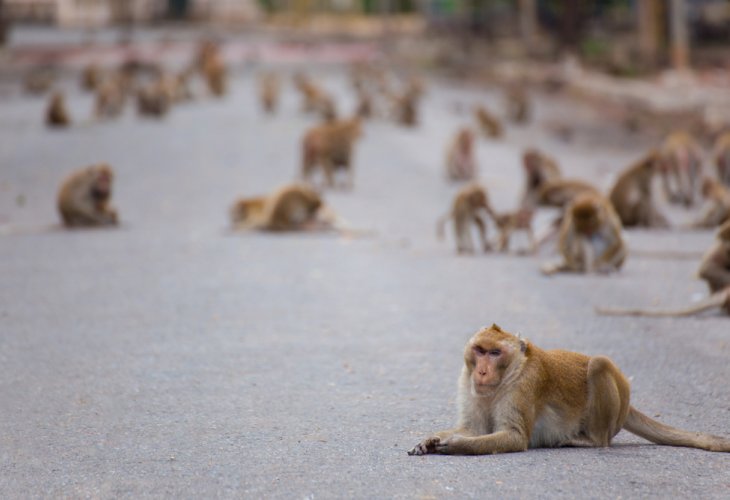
(84,197)
(590,238)
(467,209)
(717,209)
(517,104)
(513,396)
(460,162)
(680,165)
(519,220)
(269,92)
(631,196)
(330,146)
(56,113)
(488,124)
(721,154)
(295,207)
(539,170)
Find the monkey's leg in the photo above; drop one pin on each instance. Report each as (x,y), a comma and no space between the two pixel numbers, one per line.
(482,227)
(428,445)
(608,402)
(463,237)
(328,166)
(504,441)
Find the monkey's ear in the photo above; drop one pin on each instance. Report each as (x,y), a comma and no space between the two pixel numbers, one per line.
(523,345)
(495,326)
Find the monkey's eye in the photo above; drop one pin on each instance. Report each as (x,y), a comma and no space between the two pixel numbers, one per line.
(495,352)
(479,350)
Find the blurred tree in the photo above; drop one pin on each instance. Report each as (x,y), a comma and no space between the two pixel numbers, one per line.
(680,35)
(3,25)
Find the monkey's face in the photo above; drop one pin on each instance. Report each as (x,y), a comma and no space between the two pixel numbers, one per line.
(101,188)
(489,355)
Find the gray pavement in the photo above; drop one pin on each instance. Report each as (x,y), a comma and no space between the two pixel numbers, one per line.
(171,358)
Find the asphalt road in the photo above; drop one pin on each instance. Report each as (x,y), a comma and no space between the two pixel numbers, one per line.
(171,358)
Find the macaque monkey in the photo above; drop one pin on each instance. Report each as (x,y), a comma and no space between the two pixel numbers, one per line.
(215,71)
(405,109)
(680,165)
(560,192)
(519,220)
(269,92)
(315,98)
(721,154)
(488,123)
(330,147)
(294,207)
(717,205)
(461,163)
(513,396)
(56,113)
(467,209)
(110,99)
(153,100)
(590,237)
(84,197)
(518,104)
(715,266)
(90,77)
(631,196)
(539,169)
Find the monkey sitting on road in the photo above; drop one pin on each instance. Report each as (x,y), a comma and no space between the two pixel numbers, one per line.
(539,170)
(489,124)
(632,198)
(590,238)
(56,114)
(83,199)
(517,104)
(679,162)
(513,396)
(468,208)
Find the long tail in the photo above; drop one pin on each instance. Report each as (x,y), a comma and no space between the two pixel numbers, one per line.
(714,301)
(656,432)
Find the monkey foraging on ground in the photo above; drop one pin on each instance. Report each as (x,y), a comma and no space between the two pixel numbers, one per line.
(330,146)
(460,161)
(56,113)
(590,237)
(84,197)
(680,165)
(467,209)
(632,198)
(519,220)
(513,396)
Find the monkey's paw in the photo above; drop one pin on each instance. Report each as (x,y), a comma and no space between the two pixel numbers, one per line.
(426,446)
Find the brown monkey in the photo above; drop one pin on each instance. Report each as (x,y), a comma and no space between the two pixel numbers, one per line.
(294,207)
(90,77)
(110,99)
(466,209)
(680,165)
(364,108)
(590,237)
(560,192)
(514,396)
(56,113)
(721,154)
(405,108)
(215,71)
(461,164)
(539,169)
(84,197)
(153,100)
(715,266)
(330,147)
(519,220)
(717,208)
(632,198)
(488,123)
(517,104)
(269,92)
(314,98)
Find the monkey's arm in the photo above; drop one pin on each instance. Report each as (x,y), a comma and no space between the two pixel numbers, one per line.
(612,254)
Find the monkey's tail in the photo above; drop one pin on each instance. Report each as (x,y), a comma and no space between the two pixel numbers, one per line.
(658,433)
(713,301)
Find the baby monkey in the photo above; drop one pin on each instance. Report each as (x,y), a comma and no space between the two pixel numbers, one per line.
(513,396)
(468,208)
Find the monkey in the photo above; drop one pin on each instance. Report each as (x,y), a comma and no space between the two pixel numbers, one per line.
(460,162)
(90,77)
(631,195)
(330,147)
(175,86)
(314,98)
(539,170)
(717,208)
(679,162)
(153,100)
(466,209)
(110,99)
(295,207)
(721,154)
(489,124)
(214,70)
(590,237)
(513,396)
(56,113)
(517,104)
(269,92)
(84,197)
(560,192)
(405,109)
(715,265)
(519,220)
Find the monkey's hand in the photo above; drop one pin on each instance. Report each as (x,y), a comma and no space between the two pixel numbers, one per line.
(428,445)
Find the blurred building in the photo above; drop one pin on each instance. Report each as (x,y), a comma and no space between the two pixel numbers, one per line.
(94,13)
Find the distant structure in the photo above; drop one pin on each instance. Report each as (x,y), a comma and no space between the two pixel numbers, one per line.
(97,13)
